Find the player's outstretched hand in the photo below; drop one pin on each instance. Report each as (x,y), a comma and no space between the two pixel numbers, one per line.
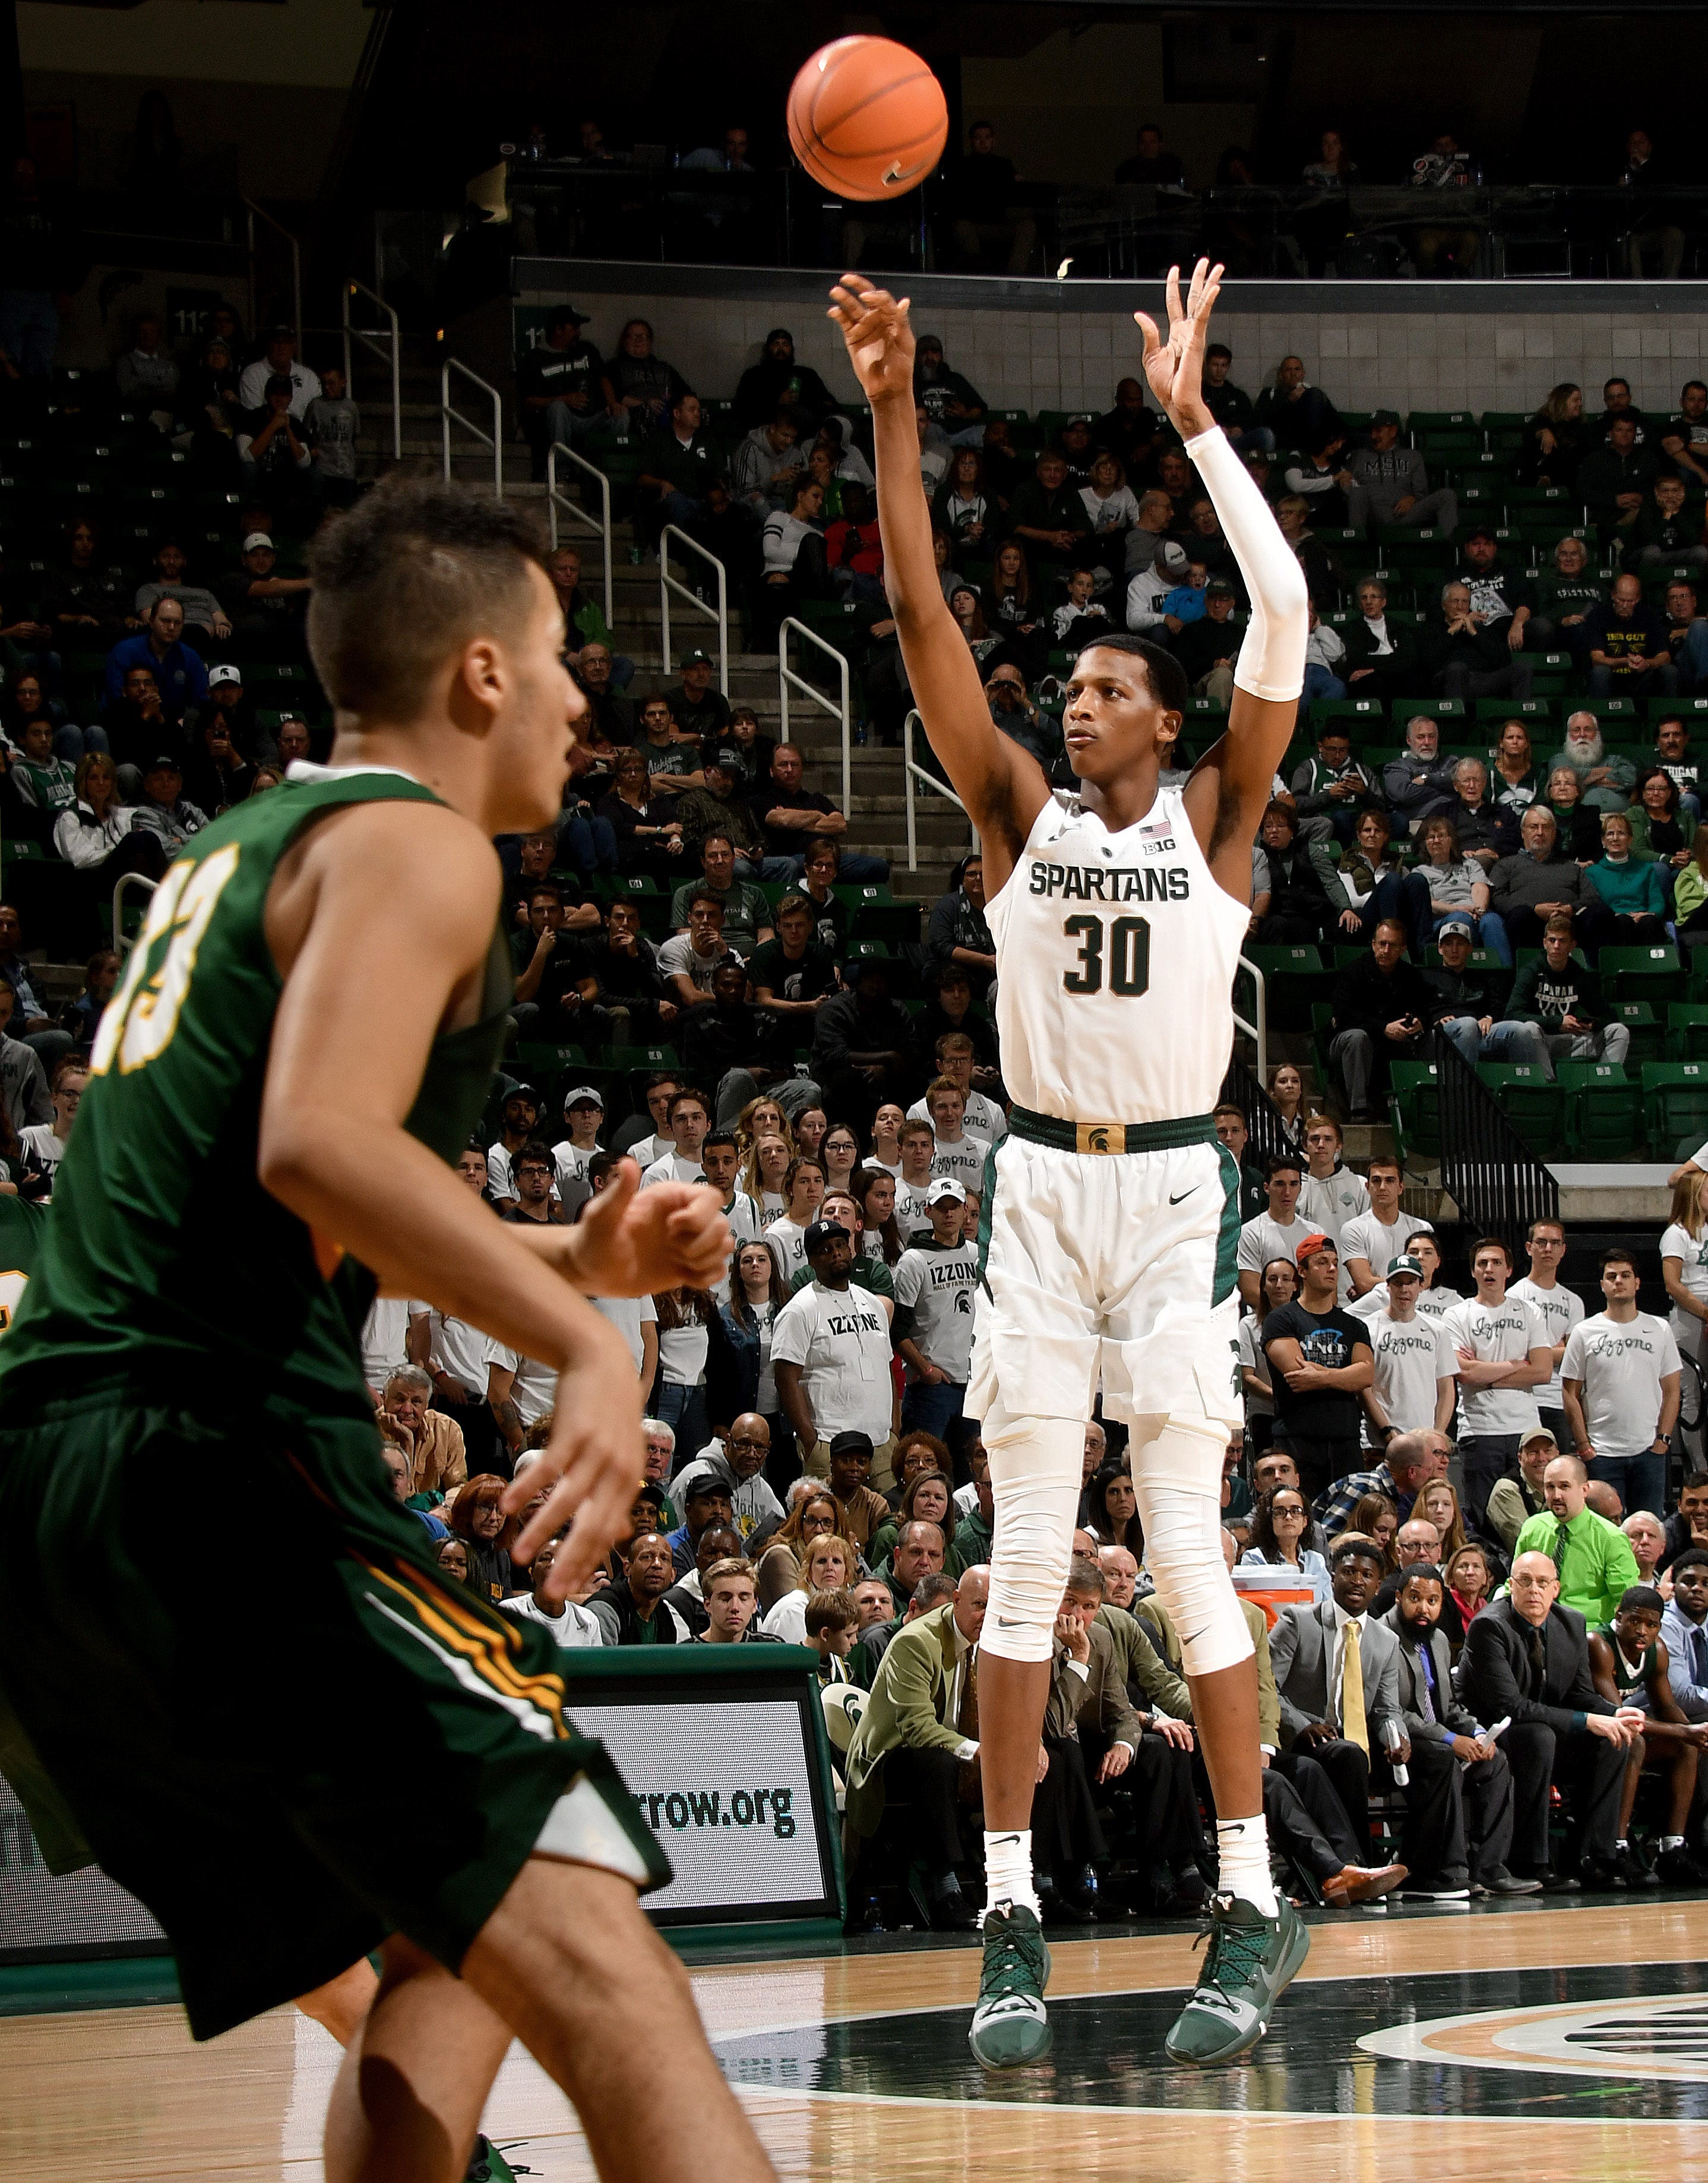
(878,334)
(591,1462)
(631,1242)
(1175,366)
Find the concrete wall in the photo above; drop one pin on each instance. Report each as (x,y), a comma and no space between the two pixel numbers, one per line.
(1410,344)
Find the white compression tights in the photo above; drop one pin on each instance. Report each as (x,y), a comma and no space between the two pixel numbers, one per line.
(1176,1476)
(1035,1465)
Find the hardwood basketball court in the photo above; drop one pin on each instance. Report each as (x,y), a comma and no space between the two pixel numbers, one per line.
(1564,2042)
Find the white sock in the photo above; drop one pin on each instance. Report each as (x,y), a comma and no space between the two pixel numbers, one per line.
(1672,1841)
(1242,1850)
(1008,1870)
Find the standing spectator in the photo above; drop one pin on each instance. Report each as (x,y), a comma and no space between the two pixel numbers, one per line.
(1526,1660)
(334,426)
(1390,484)
(830,1353)
(1372,1240)
(1413,1369)
(1620,1380)
(1279,1231)
(1626,645)
(1559,1309)
(1592,1557)
(794,564)
(982,214)
(272,444)
(933,1326)
(558,387)
(1684,1263)
(1316,1371)
(678,461)
(1503,1356)
(1653,219)
(1565,1002)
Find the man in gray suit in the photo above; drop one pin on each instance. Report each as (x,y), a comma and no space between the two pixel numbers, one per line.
(1326,1653)
(1458,1799)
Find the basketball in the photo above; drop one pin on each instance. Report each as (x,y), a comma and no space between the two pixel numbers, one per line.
(867,118)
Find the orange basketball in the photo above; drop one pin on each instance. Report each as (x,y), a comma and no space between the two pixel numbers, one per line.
(867,118)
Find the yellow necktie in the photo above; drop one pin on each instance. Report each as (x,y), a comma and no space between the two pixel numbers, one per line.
(1353,1726)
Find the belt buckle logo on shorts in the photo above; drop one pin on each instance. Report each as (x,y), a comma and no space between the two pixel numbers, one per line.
(1100,1137)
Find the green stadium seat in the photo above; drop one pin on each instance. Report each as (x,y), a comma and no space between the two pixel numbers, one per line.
(1294,977)
(1414,1108)
(1654,974)
(1435,708)
(1687,1031)
(1645,1027)
(1604,1109)
(1675,1098)
(1533,1104)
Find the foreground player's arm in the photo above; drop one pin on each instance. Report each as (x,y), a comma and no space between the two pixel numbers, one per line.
(1231,783)
(380,927)
(1002,786)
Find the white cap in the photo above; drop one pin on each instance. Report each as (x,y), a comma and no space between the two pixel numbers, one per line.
(582,1095)
(946,1190)
(217,675)
(257,538)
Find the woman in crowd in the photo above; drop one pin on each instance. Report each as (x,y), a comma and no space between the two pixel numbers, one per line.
(1438,1504)
(917,1452)
(793,567)
(840,1150)
(964,606)
(1287,1090)
(964,508)
(1324,578)
(1469,1583)
(816,1514)
(756,1295)
(875,1189)
(1654,816)
(803,1191)
(82,1017)
(926,1498)
(1111,508)
(1380,882)
(1114,1510)
(1012,609)
(1375,1515)
(684,1321)
(761,1118)
(452,1555)
(648,833)
(266,776)
(25,702)
(1690,893)
(886,1129)
(1323,222)
(1577,825)
(1553,439)
(764,1177)
(1684,1262)
(810,1126)
(1279,1522)
(487,1533)
(99,838)
(1631,890)
(1459,888)
(1279,1284)
(829,1563)
(1513,785)
(639,385)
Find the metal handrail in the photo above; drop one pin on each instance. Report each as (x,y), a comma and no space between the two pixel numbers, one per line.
(127,880)
(260,212)
(912,770)
(786,676)
(375,338)
(600,525)
(448,417)
(1257,1031)
(1491,1174)
(719,613)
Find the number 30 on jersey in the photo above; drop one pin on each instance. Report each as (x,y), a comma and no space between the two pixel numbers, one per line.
(138,1023)
(1118,954)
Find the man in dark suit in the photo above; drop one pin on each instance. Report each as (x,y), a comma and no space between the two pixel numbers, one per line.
(1527,1660)
(1337,1674)
(1459,1799)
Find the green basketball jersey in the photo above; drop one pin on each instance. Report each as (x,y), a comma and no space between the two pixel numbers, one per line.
(166,1267)
(21,1224)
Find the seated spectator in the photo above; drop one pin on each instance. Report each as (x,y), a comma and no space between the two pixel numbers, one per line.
(745,753)
(767,466)
(1630,1666)
(558,388)
(1111,508)
(1336,1672)
(1563,1001)
(634,1611)
(1333,785)
(85,598)
(35,785)
(179,673)
(678,461)
(708,1502)
(687,960)
(1502,597)
(1147,612)
(1458,888)
(1230,405)
(963,506)
(1208,649)
(144,376)
(793,816)
(778,381)
(257,602)
(1379,883)
(1465,658)
(747,921)
(1389,483)
(951,1009)
(1664,532)
(648,832)
(956,932)
(738,1048)
(1526,1660)
(162,810)
(1418,784)
(1296,893)
(854,551)
(1564,595)
(1514,784)
(1631,892)
(487,1534)
(1473,1018)
(1556,440)
(1384,1009)
(1279,1522)
(1626,646)
(100,838)
(1690,893)
(1319,475)
(1687,636)
(1018,718)
(278,361)
(1614,480)
(1293,412)
(1683,1627)
(909,1740)
(272,444)
(1046,514)
(1543,880)
(1605,781)
(640,389)
(950,400)
(204,618)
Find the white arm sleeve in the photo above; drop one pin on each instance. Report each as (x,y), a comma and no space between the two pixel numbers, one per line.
(1272,659)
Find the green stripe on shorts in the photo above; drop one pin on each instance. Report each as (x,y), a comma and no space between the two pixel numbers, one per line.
(1227,1235)
(987,1184)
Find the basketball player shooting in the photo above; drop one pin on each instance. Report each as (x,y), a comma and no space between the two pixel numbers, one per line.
(1111,1212)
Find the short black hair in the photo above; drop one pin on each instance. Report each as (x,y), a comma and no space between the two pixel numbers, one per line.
(1283,1163)
(719,1137)
(1166,676)
(1692,1558)
(412,571)
(1617,1256)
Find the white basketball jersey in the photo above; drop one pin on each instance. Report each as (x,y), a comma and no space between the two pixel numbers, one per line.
(1115,957)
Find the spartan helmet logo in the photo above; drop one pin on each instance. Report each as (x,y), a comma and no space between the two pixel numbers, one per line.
(1098,1140)
(963,1302)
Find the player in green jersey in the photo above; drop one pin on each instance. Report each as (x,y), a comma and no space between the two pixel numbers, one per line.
(301,1042)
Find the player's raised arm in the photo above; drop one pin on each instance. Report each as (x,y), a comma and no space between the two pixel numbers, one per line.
(1231,783)
(1002,786)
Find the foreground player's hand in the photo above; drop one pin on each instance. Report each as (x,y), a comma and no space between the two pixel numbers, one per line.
(631,1242)
(1175,366)
(879,335)
(591,1462)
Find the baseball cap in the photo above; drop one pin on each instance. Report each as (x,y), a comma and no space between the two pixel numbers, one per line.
(565,315)
(1482,531)
(822,1231)
(1385,417)
(1541,1432)
(582,1095)
(522,1092)
(1172,557)
(698,658)
(218,676)
(1311,1245)
(848,1443)
(257,538)
(946,1190)
(1405,1264)
(165,763)
(1219,587)
(1455,924)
